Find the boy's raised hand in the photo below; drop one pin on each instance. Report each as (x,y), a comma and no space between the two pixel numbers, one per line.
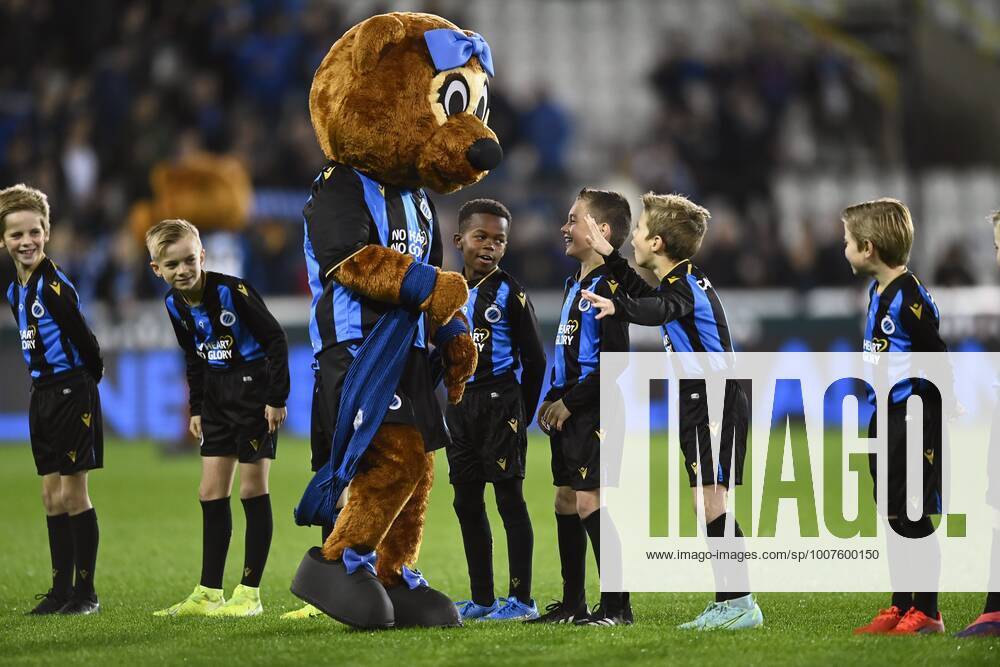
(595,239)
(604,305)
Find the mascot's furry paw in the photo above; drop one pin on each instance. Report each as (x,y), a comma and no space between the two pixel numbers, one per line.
(460,356)
(450,293)
(423,607)
(356,599)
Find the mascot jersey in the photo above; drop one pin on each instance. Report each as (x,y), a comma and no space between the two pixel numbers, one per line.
(345,212)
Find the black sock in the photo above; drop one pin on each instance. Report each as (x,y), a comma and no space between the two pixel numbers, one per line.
(520,537)
(85,539)
(926,601)
(610,601)
(993,599)
(572,558)
(260,527)
(729,574)
(217,528)
(901,600)
(477,538)
(592,524)
(61,551)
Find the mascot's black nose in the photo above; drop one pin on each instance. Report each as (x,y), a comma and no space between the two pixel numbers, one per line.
(484,154)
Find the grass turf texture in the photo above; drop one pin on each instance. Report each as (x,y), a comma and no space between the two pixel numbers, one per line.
(150,558)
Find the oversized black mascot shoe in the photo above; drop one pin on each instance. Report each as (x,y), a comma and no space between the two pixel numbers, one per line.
(417,605)
(346,589)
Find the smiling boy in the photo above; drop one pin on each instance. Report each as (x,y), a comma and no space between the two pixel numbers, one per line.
(489,426)
(64,418)
(237,371)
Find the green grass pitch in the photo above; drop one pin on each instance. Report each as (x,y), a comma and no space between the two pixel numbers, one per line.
(150,558)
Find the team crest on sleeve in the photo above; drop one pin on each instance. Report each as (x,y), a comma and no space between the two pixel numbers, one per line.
(584,305)
(888,326)
(227,318)
(493,314)
(37,310)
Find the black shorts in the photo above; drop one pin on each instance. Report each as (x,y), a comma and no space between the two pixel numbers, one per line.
(931,453)
(576,451)
(64,419)
(413,402)
(695,434)
(489,437)
(232,414)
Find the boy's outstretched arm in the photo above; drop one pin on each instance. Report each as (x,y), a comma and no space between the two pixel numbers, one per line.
(618,266)
(651,311)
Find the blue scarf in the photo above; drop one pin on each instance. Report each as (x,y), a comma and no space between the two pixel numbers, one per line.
(368,389)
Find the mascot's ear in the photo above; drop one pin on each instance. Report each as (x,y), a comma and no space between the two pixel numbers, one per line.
(375,35)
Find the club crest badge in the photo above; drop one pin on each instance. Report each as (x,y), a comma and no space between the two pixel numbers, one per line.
(227,318)
(37,310)
(888,326)
(493,314)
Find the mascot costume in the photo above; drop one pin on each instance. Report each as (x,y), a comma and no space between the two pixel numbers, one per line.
(212,192)
(398,104)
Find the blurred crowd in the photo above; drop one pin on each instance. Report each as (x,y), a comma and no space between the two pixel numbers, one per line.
(92,95)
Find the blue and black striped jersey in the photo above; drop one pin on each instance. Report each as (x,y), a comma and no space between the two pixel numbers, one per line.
(345,212)
(55,337)
(228,329)
(903,318)
(686,307)
(505,331)
(581,338)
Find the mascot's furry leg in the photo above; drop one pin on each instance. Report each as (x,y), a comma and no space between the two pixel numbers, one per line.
(340,578)
(414,602)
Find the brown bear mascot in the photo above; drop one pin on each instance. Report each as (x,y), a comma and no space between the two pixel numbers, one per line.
(398,104)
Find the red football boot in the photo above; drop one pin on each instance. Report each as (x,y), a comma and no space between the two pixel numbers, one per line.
(917,622)
(884,621)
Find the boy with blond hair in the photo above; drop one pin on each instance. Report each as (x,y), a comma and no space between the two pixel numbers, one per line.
(690,313)
(64,417)
(237,372)
(902,317)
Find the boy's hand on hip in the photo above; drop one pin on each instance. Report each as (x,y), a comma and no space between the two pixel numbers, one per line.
(604,305)
(275,417)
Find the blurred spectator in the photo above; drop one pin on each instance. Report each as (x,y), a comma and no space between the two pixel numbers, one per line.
(953,269)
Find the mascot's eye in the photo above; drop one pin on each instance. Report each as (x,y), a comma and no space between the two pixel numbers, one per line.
(454,95)
(484,103)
